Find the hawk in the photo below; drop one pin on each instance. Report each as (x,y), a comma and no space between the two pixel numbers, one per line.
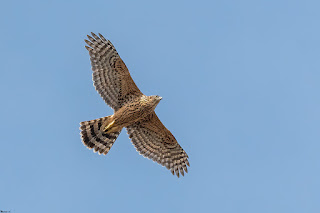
(132,110)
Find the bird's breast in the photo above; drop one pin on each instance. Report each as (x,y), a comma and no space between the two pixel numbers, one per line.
(131,113)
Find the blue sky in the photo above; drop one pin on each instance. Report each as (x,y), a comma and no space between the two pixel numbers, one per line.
(240,88)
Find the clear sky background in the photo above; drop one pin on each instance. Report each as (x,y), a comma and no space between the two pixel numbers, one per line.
(240,82)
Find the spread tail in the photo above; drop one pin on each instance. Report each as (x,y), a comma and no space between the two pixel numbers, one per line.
(94,136)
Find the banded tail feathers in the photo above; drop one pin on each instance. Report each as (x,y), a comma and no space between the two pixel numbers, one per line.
(94,137)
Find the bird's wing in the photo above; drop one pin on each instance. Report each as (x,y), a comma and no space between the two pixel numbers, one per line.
(111,77)
(153,140)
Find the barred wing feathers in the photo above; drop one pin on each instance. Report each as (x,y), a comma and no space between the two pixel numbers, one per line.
(110,75)
(154,141)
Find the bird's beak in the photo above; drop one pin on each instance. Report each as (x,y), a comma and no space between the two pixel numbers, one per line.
(160,97)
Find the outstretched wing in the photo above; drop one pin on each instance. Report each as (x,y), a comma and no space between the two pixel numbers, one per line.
(111,77)
(153,140)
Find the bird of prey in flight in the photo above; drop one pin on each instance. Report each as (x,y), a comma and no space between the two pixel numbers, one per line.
(132,110)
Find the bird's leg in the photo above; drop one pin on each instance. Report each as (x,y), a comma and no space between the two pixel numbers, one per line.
(109,126)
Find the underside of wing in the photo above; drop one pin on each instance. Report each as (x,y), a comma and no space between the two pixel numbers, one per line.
(111,77)
(153,140)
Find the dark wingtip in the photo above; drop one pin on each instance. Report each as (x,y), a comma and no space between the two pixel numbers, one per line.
(88,42)
(101,36)
(95,36)
(88,48)
(90,38)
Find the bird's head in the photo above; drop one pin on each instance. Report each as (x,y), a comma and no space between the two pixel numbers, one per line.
(155,99)
(151,101)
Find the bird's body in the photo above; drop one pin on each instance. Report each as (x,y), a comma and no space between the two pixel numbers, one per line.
(132,110)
